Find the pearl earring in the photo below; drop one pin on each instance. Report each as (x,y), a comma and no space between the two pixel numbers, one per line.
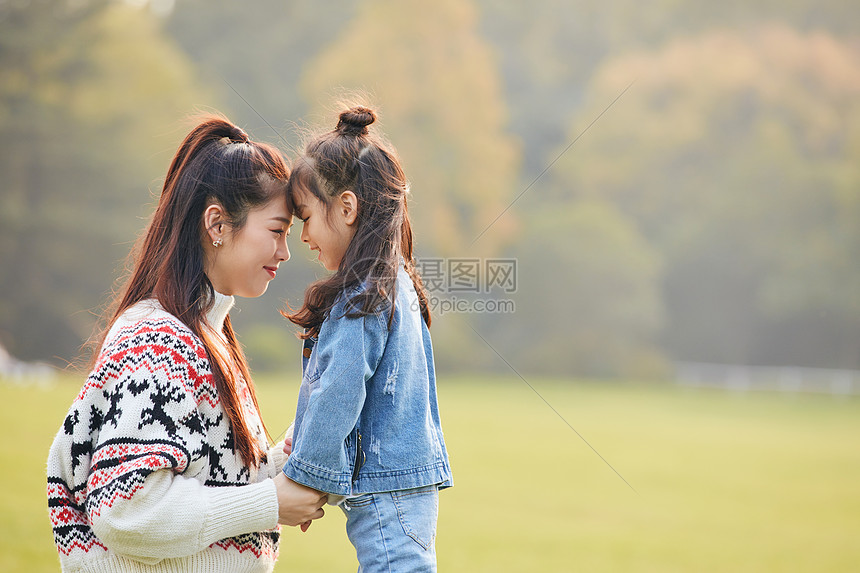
(217,242)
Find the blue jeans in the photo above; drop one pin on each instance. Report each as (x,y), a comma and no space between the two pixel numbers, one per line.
(394,531)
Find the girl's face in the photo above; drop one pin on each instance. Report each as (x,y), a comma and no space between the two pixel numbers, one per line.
(328,231)
(248,258)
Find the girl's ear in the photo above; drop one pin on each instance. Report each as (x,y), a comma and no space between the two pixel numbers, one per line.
(213,222)
(348,207)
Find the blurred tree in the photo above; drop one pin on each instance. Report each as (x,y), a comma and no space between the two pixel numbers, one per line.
(90,94)
(737,155)
(436,83)
(259,48)
(549,49)
(734,156)
(588,299)
(546,53)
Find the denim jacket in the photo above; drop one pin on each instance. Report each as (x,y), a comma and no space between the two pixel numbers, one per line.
(367,419)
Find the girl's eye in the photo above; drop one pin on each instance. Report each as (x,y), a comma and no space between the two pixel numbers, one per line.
(278,231)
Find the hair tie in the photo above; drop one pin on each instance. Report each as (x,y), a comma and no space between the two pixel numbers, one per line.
(356,163)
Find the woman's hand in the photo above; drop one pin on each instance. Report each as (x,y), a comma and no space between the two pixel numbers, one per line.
(288,446)
(297,504)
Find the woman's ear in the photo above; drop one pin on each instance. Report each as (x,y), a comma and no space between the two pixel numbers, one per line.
(348,207)
(213,222)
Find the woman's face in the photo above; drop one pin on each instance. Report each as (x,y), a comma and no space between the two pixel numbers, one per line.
(327,231)
(248,258)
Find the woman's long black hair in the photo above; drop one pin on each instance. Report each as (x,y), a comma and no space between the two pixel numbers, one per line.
(215,163)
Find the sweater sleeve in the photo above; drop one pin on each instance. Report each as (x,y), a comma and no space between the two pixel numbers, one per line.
(138,501)
(173,516)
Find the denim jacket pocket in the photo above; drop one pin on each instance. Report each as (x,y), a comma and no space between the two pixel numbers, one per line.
(418,510)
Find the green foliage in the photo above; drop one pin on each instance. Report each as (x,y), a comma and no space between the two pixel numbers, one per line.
(549,50)
(745,178)
(89,101)
(588,289)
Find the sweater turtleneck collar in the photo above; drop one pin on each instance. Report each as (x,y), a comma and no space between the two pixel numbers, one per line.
(218,313)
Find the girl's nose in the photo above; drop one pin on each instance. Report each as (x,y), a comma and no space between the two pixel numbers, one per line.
(304,234)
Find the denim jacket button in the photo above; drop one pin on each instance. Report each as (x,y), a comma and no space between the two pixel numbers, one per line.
(306,352)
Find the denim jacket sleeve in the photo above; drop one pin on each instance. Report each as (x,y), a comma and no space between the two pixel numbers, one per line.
(345,357)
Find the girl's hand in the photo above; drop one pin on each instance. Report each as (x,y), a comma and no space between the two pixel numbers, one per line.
(305,526)
(297,504)
(288,446)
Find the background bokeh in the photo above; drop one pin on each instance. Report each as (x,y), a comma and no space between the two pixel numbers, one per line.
(677,181)
(711,214)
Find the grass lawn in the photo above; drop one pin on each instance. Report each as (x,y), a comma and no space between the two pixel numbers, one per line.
(724,482)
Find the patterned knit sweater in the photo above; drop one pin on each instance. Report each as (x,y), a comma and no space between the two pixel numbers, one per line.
(142,475)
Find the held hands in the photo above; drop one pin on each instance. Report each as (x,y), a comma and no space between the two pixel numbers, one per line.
(288,449)
(297,504)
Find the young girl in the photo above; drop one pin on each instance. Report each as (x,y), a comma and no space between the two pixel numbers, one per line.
(367,423)
(161,464)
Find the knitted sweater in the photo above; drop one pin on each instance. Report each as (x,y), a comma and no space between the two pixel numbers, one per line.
(142,475)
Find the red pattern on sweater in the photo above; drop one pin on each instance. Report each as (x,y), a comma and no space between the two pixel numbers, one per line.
(93,472)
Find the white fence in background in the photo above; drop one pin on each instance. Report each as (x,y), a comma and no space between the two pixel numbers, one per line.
(768,378)
(19,372)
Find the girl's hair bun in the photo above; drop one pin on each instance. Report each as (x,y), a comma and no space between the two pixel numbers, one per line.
(238,134)
(354,121)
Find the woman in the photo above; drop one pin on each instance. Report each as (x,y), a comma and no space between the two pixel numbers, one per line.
(161,463)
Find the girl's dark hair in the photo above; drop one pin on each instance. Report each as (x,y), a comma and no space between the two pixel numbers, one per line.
(350,157)
(216,163)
